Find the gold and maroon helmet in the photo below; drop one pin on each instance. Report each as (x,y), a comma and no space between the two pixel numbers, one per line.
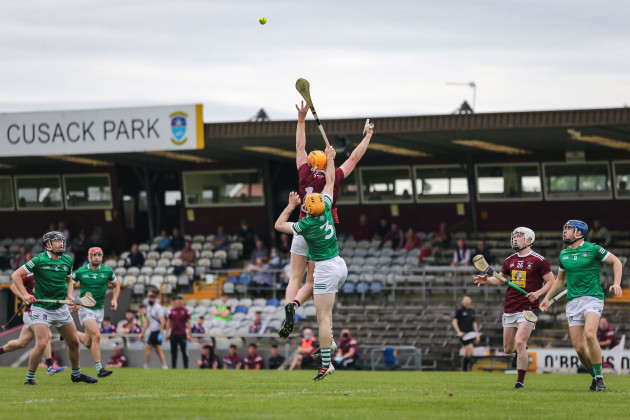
(317,160)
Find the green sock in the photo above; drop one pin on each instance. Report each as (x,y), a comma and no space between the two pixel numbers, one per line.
(597,368)
(592,372)
(325,357)
(99,366)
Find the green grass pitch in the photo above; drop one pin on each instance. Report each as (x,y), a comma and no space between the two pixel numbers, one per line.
(143,394)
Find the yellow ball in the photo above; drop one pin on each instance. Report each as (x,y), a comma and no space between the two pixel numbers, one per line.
(262,21)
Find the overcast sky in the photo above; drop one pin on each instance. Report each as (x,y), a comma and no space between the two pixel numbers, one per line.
(362,58)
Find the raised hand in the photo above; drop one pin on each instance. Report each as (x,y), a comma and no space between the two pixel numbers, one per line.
(302,111)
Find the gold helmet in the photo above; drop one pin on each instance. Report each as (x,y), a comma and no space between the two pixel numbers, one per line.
(314,204)
(317,160)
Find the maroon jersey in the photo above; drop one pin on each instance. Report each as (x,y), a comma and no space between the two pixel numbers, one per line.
(29,285)
(253,361)
(178,317)
(345,344)
(121,358)
(527,273)
(314,182)
(604,334)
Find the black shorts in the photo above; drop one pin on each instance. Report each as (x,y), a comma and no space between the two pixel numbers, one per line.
(467,342)
(153,339)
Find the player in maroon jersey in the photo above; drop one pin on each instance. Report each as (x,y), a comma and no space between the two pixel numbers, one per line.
(312,180)
(529,271)
(27,335)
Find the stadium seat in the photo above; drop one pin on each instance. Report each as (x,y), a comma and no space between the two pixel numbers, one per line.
(198,238)
(154,255)
(362,287)
(176,261)
(365,244)
(160,270)
(208,246)
(376,287)
(163,262)
(183,280)
(348,287)
(273,302)
(197,246)
(129,280)
(259,302)
(167,255)
(111,263)
(209,238)
(171,279)
(207,254)
(138,289)
(120,271)
(216,263)
(204,262)
(241,309)
(150,263)
(229,287)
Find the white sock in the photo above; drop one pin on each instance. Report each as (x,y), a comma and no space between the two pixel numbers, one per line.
(146,366)
(164,367)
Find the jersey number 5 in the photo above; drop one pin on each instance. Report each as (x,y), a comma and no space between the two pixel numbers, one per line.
(328,228)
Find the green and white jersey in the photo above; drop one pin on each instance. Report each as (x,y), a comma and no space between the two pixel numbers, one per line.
(319,233)
(51,278)
(583,270)
(95,282)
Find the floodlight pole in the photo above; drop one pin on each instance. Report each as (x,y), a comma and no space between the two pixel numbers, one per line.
(473,85)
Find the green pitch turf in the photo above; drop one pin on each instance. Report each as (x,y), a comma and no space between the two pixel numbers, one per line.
(143,394)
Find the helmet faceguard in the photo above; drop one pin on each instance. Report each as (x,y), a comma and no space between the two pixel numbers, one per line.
(95,251)
(528,238)
(48,240)
(317,160)
(313,204)
(578,226)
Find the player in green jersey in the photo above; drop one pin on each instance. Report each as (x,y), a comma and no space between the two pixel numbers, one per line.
(52,270)
(580,267)
(95,278)
(318,230)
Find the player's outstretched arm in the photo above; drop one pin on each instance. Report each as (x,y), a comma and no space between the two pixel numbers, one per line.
(555,287)
(348,166)
(283,224)
(300,136)
(19,284)
(484,279)
(330,171)
(617,267)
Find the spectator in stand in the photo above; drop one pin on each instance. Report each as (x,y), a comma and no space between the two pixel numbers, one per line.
(208,359)
(483,250)
(141,315)
(80,246)
(606,334)
(223,311)
(64,230)
(260,251)
(395,235)
(284,248)
(253,360)
(362,231)
(164,244)
(262,280)
(347,351)
(135,257)
(257,327)
(118,359)
(412,241)
(246,236)
(177,240)
(5,258)
(303,356)
(108,327)
(599,235)
(441,239)
(197,327)
(21,258)
(275,262)
(276,360)
(188,255)
(461,255)
(220,240)
(232,360)
(131,326)
(98,238)
(178,322)
(383,228)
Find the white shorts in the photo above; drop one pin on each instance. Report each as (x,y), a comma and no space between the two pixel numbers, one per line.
(52,317)
(578,307)
(298,245)
(512,320)
(329,275)
(27,318)
(86,313)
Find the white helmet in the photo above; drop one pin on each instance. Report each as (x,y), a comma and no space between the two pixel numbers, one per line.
(528,235)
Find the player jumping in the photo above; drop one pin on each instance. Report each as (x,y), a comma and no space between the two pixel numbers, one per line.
(27,334)
(95,278)
(53,280)
(580,267)
(531,272)
(318,231)
(312,180)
